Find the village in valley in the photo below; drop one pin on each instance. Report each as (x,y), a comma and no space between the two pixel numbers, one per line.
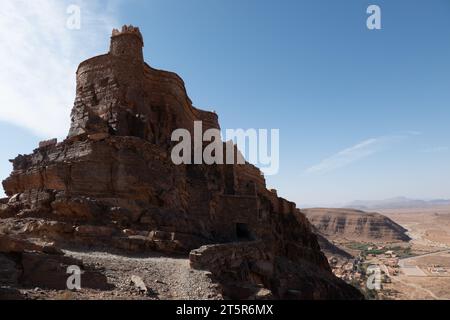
(414,269)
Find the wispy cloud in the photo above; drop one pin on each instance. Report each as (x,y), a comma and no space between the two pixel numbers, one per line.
(435,149)
(413,133)
(357,152)
(39,57)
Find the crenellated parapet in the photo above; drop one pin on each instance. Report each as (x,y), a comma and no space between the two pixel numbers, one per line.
(128,30)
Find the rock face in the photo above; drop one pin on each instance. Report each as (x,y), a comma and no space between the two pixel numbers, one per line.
(355,225)
(112,183)
(331,250)
(245,268)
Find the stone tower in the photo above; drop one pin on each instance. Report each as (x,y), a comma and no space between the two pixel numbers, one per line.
(109,99)
(119,94)
(127,44)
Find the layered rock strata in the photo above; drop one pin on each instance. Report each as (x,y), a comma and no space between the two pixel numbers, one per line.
(355,225)
(112,183)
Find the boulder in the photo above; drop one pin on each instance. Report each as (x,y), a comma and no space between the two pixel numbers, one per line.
(139,284)
(51,272)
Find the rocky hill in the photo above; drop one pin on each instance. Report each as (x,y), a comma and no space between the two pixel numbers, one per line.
(112,186)
(331,250)
(355,225)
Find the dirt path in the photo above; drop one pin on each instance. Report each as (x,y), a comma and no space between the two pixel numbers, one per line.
(165,277)
(404,260)
(409,284)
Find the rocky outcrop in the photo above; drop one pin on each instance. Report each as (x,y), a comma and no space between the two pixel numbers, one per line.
(112,183)
(245,269)
(331,250)
(355,225)
(30,264)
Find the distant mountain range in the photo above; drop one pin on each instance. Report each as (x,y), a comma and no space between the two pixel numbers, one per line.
(396,203)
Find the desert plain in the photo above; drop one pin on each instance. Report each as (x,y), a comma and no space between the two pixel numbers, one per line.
(426,274)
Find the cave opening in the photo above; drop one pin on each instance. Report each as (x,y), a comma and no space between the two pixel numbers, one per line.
(242,232)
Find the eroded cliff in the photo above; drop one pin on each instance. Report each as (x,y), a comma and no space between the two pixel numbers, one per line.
(355,225)
(112,184)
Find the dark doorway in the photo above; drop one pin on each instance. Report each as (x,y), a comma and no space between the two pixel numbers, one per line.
(242,232)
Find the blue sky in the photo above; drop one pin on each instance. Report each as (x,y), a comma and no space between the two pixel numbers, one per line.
(362,114)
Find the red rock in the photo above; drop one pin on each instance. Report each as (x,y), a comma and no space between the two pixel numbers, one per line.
(50,272)
(94,231)
(114,172)
(48,143)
